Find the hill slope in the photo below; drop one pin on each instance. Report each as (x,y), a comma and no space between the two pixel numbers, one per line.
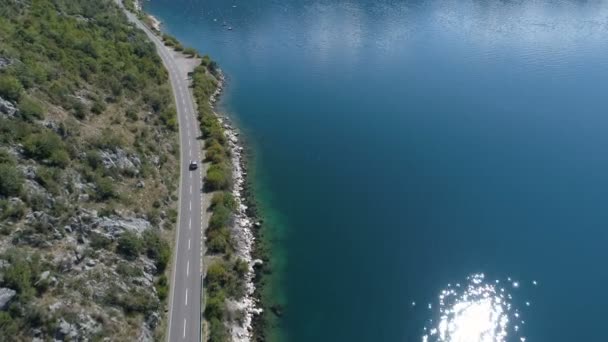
(88,173)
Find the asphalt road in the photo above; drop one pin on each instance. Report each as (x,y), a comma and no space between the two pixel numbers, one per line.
(185,296)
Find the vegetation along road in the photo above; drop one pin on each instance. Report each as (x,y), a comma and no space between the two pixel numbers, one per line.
(185,297)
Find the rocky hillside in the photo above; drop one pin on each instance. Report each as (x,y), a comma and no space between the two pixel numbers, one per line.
(88,174)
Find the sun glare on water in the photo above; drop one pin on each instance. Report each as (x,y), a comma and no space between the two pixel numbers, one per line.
(478,311)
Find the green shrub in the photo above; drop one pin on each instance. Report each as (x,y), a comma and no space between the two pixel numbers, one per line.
(157,249)
(99,241)
(6,158)
(217,178)
(104,188)
(191,52)
(19,276)
(11,210)
(93,159)
(30,109)
(98,106)
(218,240)
(214,307)
(134,301)
(129,245)
(220,217)
(11,180)
(162,287)
(215,152)
(10,88)
(49,178)
(127,270)
(169,118)
(223,198)
(8,327)
(59,158)
(217,331)
(241,267)
(43,145)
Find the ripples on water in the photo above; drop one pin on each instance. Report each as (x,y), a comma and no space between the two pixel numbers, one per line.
(478,311)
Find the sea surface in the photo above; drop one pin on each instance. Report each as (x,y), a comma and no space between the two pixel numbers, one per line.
(428,170)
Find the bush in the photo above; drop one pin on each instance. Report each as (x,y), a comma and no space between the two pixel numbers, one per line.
(220,217)
(132,301)
(217,331)
(49,178)
(8,327)
(59,158)
(241,267)
(43,145)
(10,88)
(191,52)
(129,245)
(19,277)
(218,240)
(11,210)
(6,158)
(214,307)
(127,270)
(215,153)
(169,118)
(30,108)
(11,180)
(105,188)
(223,198)
(157,249)
(99,241)
(162,287)
(217,178)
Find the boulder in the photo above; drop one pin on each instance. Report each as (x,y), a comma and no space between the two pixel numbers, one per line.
(153,320)
(6,295)
(4,62)
(7,108)
(43,276)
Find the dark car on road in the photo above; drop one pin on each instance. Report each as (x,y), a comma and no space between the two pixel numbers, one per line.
(193,165)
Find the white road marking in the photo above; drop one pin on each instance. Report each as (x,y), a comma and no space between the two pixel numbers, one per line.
(184,328)
(187,271)
(190,189)
(190,205)
(190,222)
(188,244)
(186,296)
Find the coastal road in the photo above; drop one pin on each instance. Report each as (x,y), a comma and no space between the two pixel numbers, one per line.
(185,297)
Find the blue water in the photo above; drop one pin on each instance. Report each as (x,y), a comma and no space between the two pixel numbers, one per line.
(401,146)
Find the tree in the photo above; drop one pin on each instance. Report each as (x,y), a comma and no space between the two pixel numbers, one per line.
(10,88)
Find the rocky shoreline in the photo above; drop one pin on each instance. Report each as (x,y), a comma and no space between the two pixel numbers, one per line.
(242,230)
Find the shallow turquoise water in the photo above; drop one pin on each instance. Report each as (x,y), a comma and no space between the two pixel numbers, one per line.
(401,146)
